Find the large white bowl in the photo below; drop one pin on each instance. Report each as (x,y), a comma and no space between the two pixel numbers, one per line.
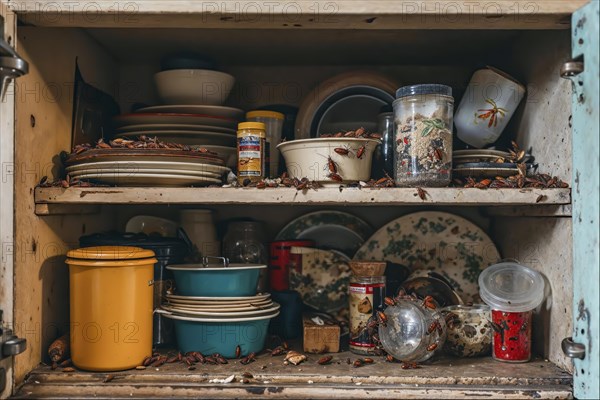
(309,158)
(193,86)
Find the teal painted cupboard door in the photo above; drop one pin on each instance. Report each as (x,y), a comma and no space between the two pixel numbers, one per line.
(586,133)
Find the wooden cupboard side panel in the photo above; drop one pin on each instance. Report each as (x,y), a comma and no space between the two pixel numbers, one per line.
(546,245)
(43,129)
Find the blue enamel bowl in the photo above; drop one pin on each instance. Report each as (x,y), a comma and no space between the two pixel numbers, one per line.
(221,335)
(216,281)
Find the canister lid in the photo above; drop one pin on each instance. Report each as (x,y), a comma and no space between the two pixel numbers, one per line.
(251,125)
(264,114)
(110,253)
(511,287)
(432,88)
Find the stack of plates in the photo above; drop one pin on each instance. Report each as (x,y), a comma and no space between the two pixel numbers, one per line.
(479,163)
(147,167)
(221,308)
(210,127)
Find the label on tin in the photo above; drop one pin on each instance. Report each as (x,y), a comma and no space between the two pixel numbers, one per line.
(365,300)
(250,156)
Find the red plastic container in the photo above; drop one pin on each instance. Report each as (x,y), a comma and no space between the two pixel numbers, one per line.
(281,259)
(512,336)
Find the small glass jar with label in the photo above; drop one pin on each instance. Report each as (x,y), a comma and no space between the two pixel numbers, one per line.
(366,295)
(251,152)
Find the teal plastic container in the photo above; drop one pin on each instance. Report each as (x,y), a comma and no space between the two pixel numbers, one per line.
(209,336)
(233,281)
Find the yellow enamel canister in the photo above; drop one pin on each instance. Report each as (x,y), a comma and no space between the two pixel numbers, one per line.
(111,290)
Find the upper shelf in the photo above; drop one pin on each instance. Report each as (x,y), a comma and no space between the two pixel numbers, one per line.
(290,196)
(300,14)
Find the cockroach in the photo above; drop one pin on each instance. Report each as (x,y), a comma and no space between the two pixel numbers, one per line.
(325,360)
(540,198)
(372,324)
(161,360)
(360,132)
(389,301)
(389,358)
(349,134)
(221,360)
(381,180)
(360,151)
(108,378)
(277,351)
(341,151)
(197,356)
(261,185)
(147,361)
(335,177)
(429,302)
(284,175)
(357,363)
(368,360)
(245,381)
(434,325)
(247,375)
(246,360)
(171,359)
(302,185)
(432,347)
(382,318)
(438,154)
(375,135)
(486,182)
(210,360)
(332,165)
(375,338)
(422,193)
(238,351)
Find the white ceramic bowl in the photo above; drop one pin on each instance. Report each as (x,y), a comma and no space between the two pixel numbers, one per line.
(193,86)
(309,158)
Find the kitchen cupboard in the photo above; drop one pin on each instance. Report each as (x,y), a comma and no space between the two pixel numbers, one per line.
(278,53)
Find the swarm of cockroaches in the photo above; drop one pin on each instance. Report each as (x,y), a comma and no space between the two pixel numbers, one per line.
(284,181)
(67,182)
(142,142)
(537,181)
(358,133)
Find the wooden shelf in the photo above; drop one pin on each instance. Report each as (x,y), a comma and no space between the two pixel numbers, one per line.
(46,197)
(443,378)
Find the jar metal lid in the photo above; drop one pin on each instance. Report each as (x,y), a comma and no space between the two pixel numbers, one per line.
(511,287)
(431,88)
(251,125)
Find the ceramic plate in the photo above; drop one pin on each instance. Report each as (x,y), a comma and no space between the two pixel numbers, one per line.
(219,300)
(186,137)
(437,241)
(224,307)
(217,111)
(173,127)
(151,225)
(323,279)
(223,313)
(128,155)
(150,179)
(119,172)
(480,153)
(486,170)
(173,118)
(166,165)
(334,230)
(224,319)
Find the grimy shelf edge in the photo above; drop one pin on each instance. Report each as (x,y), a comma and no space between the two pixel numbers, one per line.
(291,196)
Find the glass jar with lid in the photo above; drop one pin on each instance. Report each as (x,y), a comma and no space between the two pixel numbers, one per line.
(423,145)
(251,152)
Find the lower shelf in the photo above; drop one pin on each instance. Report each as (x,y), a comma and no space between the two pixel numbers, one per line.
(443,378)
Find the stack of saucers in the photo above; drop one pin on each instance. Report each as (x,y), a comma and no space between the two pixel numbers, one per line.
(479,163)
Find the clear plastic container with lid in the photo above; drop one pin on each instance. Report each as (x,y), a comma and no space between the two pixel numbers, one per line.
(273,125)
(423,146)
(251,152)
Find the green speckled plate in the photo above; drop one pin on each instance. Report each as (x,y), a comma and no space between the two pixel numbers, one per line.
(333,230)
(323,278)
(437,241)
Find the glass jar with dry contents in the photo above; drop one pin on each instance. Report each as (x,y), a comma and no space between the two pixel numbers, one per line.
(423,141)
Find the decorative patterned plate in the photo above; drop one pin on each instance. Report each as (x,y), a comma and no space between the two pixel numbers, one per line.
(437,241)
(333,230)
(323,278)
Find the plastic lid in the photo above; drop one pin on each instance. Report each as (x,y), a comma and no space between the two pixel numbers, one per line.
(251,125)
(264,114)
(110,253)
(431,88)
(511,287)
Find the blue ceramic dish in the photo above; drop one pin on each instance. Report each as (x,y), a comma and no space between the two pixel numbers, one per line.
(214,335)
(234,280)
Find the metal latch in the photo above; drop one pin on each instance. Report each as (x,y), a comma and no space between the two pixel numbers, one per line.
(571,68)
(12,66)
(13,346)
(572,349)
